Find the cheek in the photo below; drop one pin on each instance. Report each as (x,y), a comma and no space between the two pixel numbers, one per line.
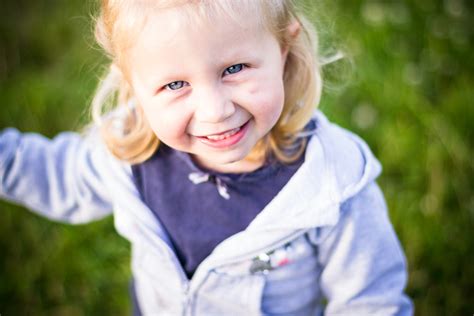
(168,125)
(268,101)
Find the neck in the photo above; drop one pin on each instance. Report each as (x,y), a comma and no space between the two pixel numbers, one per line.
(241,166)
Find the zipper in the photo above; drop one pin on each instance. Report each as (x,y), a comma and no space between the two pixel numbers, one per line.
(183,278)
(196,283)
(190,287)
(186,299)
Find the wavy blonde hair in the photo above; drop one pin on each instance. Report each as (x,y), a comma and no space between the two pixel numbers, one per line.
(122,123)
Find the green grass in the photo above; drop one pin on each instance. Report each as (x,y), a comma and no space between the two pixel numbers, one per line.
(405,87)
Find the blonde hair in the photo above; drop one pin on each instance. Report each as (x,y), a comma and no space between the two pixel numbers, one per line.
(124,128)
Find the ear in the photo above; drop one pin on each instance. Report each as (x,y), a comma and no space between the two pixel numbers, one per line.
(292,32)
(294,29)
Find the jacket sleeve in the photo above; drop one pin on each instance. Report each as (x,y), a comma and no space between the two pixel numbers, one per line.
(364,268)
(56,178)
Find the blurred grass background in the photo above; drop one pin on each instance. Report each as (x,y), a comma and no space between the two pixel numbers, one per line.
(406,86)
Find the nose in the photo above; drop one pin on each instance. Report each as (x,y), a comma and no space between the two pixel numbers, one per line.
(213,105)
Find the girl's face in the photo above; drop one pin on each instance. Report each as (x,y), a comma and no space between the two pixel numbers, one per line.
(211,89)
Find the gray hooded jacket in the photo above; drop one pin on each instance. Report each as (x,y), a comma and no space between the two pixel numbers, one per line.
(324,244)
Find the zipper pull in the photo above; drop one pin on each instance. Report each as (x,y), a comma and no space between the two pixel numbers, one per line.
(261,264)
(267,261)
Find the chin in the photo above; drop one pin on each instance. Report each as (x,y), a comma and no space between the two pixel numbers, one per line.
(227,160)
(213,160)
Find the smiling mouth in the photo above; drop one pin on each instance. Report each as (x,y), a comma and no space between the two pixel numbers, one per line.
(225,139)
(224,135)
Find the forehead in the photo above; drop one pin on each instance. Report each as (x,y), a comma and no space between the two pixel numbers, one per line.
(198,11)
(171,24)
(173,34)
(168,18)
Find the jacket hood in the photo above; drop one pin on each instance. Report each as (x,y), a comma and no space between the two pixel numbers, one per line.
(338,165)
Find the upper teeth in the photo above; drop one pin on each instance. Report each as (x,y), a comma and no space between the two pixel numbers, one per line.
(224,135)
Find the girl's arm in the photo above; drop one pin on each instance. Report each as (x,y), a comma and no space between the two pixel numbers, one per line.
(57,178)
(364,268)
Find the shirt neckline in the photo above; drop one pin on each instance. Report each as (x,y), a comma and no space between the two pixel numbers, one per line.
(270,167)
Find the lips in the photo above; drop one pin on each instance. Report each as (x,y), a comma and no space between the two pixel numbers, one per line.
(223,135)
(225,139)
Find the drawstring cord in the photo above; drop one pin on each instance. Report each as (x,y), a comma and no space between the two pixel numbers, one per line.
(222,189)
(199,177)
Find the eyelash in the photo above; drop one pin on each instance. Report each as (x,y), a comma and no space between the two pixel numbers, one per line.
(228,71)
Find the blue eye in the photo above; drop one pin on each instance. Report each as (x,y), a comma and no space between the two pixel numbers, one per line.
(233,69)
(175,85)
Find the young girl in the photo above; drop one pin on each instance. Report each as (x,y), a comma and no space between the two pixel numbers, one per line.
(238,198)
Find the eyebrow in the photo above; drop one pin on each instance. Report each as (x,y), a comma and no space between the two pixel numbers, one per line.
(236,55)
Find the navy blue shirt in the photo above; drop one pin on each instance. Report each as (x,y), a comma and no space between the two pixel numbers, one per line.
(196,216)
